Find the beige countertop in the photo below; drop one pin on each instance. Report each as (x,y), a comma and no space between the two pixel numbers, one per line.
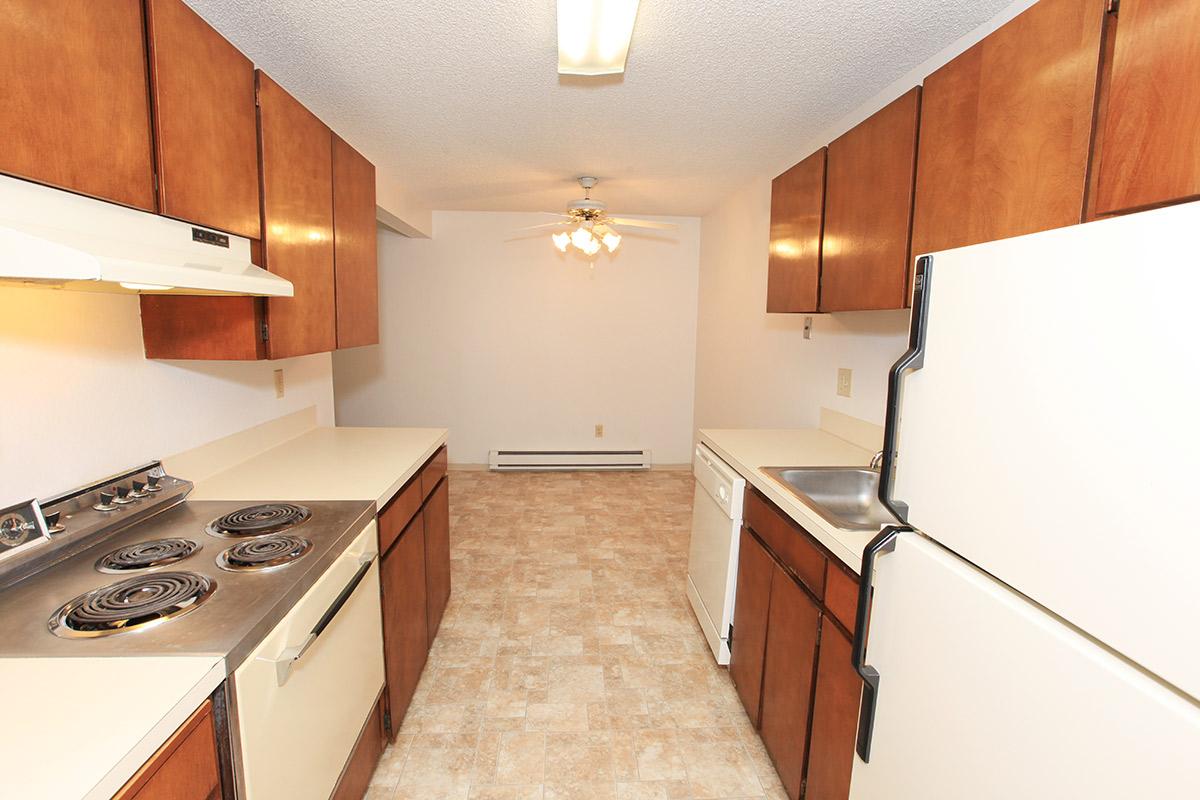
(748,451)
(328,464)
(108,738)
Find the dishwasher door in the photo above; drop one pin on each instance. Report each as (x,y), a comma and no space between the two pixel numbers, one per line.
(712,555)
(302,701)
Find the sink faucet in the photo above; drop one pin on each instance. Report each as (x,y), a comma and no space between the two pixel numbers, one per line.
(877,461)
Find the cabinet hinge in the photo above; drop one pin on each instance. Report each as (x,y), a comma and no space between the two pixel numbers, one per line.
(265,335)
(387,721)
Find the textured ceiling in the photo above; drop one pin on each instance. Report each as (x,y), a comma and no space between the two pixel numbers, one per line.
(460,98)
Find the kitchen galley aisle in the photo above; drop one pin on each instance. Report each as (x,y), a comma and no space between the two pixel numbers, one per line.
(569,664)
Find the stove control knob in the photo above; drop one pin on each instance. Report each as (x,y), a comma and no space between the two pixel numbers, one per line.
(52,523)
(122,498)
(106,502)
(152,483)
(139,489)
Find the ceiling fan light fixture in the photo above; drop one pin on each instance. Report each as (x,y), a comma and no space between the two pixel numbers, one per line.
(611,240)
(594,35)
(561,240)
(582,238)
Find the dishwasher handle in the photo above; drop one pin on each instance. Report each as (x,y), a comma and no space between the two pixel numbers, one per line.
(288,658)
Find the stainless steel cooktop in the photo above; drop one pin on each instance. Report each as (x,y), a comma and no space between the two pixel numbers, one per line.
(196,578)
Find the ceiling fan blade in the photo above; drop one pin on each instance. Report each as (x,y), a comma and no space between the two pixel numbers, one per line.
(545,225)
(641,223)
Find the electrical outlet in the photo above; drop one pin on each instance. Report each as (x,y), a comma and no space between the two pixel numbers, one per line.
(843,381)
(808,327)
(599,431)
(279,383)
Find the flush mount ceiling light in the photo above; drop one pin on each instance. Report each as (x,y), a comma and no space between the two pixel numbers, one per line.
(593,35)
(587,226)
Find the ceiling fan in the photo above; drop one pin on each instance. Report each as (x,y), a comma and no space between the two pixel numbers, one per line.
(593,227)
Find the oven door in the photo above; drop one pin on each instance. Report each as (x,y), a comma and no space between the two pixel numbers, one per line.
(303,694)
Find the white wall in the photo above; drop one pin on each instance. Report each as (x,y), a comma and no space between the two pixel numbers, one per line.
(492,333)
(81,401)
(756,370)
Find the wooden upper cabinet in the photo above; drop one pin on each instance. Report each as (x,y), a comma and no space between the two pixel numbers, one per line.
(868,210)
(297,203)
(1151,145)
(354,247)
(76,114)
(794,265)
(1006,130)
(205,126)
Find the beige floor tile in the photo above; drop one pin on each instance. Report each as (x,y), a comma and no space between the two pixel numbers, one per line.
(569,665)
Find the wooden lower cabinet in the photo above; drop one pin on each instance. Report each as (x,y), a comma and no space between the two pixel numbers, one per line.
(405,631)
(793,628)
(834,718)
(791,652)
(185,768)
(751,603)
(436,515)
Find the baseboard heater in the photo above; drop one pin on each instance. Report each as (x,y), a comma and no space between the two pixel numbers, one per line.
(566,460)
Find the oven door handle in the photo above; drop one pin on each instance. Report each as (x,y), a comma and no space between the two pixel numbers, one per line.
(288,658)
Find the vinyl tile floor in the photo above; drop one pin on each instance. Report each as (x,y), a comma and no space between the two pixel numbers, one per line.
(569,664)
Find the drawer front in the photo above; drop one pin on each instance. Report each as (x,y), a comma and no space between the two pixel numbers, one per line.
(788,541)
(841,595)
(433,471)
(397,513)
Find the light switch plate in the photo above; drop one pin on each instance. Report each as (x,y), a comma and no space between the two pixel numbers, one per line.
(599,431)
(844,381)
(279,383)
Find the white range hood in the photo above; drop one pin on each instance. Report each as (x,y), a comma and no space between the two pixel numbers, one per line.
(49,237)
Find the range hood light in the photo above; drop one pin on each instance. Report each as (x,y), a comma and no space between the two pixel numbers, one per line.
(146,287)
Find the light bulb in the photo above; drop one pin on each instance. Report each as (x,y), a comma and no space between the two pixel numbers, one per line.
(561,240)
(591,247)
(580,237)
(611,240)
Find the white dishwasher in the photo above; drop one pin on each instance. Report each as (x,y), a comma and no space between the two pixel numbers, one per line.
(713,554)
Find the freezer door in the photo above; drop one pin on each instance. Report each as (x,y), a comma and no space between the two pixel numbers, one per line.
(1050,433)
(983,695)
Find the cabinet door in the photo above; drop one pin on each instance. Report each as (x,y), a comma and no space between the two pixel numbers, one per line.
(794,261)
(835,719)
(792,631)
(1006,130)
(868,210)
(1151,151)
(184,768)
(204,122)
(751,603)
(437,555)
(76,112)
(354,248)
(405,635)
(297,199)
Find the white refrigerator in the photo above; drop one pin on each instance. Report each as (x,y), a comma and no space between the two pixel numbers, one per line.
(1032,629)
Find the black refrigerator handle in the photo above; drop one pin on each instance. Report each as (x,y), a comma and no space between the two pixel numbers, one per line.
(884,542)
(913,359)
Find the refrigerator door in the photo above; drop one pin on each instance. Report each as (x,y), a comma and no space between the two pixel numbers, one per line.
(1044,425)
(983,695)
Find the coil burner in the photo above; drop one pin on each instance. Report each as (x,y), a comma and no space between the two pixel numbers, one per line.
(145,555)
(264,553)
(260,520)
(132,604)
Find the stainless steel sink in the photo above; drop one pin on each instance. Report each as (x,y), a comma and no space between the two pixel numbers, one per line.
(846,497)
